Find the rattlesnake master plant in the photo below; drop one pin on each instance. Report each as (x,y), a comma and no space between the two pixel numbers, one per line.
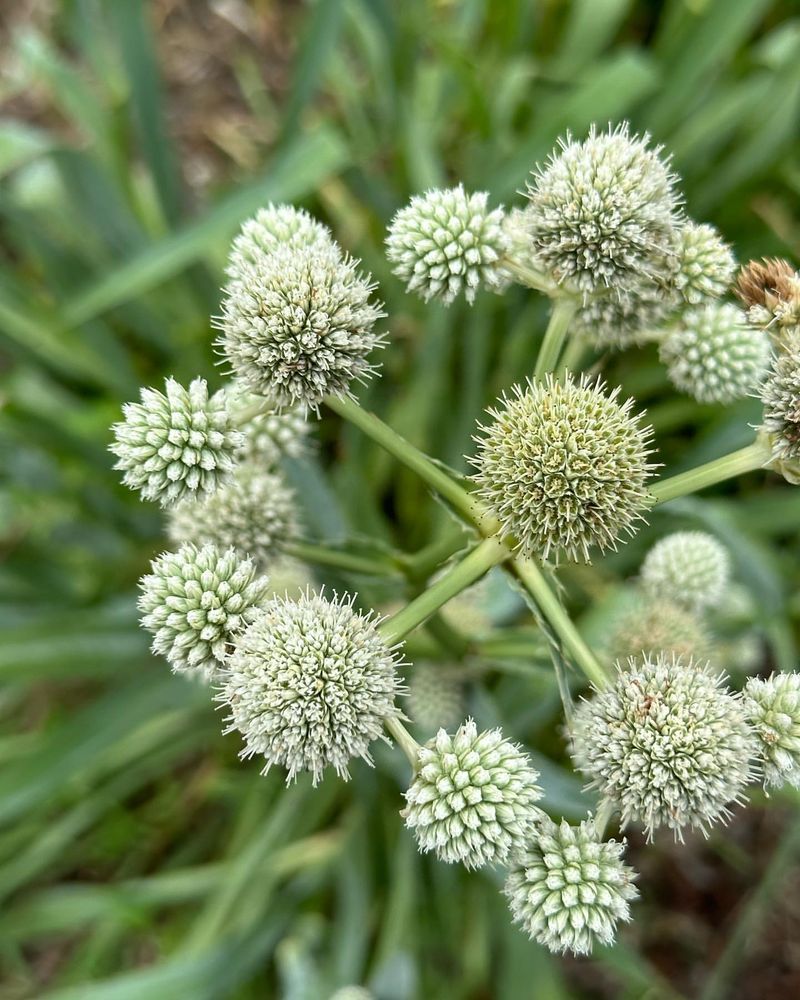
(564,470)
(564,466)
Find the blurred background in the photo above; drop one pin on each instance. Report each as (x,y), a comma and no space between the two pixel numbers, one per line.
(138,858)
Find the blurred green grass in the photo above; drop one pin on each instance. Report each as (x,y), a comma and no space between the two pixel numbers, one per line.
(138,858)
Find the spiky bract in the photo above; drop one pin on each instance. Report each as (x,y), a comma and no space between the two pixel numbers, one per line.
(196,601)
(691,568)
(310,685)
(569,888)
(773,708)
(564,467)
(176,444)
(667,743)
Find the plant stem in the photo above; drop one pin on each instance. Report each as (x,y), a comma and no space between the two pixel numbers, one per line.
(318,555)
(531,277)
(419,565)
(563,311)
(468,506)
(244,416)
(738,462)
(530,575)
(604,813)
(405,741)
(472,567)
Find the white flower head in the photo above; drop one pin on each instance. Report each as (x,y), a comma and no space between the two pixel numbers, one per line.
(274,226)
(773,708)
(176,444)
(780,393)
(705,264)
(691,568)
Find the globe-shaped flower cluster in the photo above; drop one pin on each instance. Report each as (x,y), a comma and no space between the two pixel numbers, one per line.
(689,567)
(564,467)
(436,696)
(780,393)
(177,444)
(773,707)
(446,242)
(705,264)
(276,226)
(603,213)
(569,888)
(667,744)
(473,798)
(653,625)
(310,685)
(196,602)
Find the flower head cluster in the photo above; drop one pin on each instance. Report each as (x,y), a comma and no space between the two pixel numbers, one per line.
(689,567)
(435,697)
(666,743)
(569,888)
(773,708)
(770,290)
(473,799)
(274,226)
(780,393)
(705,264)
(176,444)
(654,625)
(564,467)
(627,318)
(270,436)
(447,242)
(297,323)
(196,601)
(603,212)
(714,354)
(255,513)
(310,685)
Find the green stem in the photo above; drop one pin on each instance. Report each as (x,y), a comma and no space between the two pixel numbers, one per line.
(472,567)
(405,741)
(556,332)
(530,575)
(244,416)
(318,555)
(604,813)
(576,350)
(736,464)
(419,565)
(531,277)
(468,506)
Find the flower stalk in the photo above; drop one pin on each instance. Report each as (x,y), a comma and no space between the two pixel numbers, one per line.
(748,459)
(555,334)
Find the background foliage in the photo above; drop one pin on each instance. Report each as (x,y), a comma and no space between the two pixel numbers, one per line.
(138,858)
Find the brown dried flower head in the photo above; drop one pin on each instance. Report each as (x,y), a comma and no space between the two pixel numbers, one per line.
(766,282)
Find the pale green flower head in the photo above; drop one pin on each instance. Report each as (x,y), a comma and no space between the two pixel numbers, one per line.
(310,685)
(691,568)
(473,798)
(436,697)
(780,393)
(274,226)
(196,602)
(569,889)
(176,444)
(773,708)
(564,466)
(630,317)
(255,513)
(298,323)
(666,743)
(652,625)
(603,213)
(352,993)
(714,355)
(705,264)
(447,242)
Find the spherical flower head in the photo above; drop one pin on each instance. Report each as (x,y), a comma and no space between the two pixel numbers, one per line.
(603,212)
(625,319)
(435,697)
(255,513)
(657,624)
(297,324)
(714,355)
(310,685)
(705,264)
(564,467)
(447,242)
(689,567)
(773,708)
(271,436)
(770,291)
(569,888)
(176,444)
(473,799)
(196,601)
(274,226)
(666,743)
(780,393)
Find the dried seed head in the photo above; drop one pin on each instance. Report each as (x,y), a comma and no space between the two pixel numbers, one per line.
(196,601)
(603,212)
(564,467)
(765,282)
(667,743)
(310,685)
(473,799)
(773,708)
(176,445)
(255,513)
(714,354)
(569,888)
(447,242)
(689,567)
